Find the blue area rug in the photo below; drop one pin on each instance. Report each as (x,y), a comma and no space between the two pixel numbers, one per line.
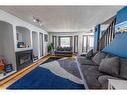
(41,78)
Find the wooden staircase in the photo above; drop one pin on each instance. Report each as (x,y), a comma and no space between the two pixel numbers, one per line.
(107,35)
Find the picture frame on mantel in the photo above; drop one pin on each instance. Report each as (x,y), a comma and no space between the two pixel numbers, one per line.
(45,37)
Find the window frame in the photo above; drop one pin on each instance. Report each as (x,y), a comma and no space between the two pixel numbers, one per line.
(65,37)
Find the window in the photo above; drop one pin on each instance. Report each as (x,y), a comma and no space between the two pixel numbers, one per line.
(88,42)
(65,41)
(91,40)
(84,48)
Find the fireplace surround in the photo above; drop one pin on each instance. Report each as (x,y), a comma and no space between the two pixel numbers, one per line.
(24,58)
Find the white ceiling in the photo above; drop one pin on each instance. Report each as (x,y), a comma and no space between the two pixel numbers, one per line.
(64,18)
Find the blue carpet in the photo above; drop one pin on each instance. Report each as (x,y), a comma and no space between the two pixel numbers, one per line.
(41,78)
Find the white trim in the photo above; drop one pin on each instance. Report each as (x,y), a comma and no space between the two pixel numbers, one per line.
(84,81)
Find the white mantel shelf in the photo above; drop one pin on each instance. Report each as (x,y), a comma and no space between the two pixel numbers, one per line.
(23,49)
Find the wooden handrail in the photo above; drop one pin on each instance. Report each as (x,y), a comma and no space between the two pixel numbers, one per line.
(107,36)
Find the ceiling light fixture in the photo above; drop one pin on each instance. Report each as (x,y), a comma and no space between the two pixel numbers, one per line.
(36,20)
(91,31)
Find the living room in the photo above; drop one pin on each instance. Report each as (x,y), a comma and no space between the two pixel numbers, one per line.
(63,47)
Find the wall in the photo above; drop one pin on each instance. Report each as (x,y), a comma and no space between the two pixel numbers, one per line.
(119,44)
(121,15)
(96,37)
(20,37)
(24,35)
(80,35)
(7,43)
(4,16)
(0,42)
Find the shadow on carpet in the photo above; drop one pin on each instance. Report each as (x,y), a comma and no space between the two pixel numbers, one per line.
(70,65)
(41,78)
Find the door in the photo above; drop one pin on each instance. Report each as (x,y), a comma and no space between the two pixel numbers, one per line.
(41,44)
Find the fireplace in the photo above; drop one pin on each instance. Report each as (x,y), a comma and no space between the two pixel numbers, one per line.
(23,59)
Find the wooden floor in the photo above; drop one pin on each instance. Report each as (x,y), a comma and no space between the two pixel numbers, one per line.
(11,79)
